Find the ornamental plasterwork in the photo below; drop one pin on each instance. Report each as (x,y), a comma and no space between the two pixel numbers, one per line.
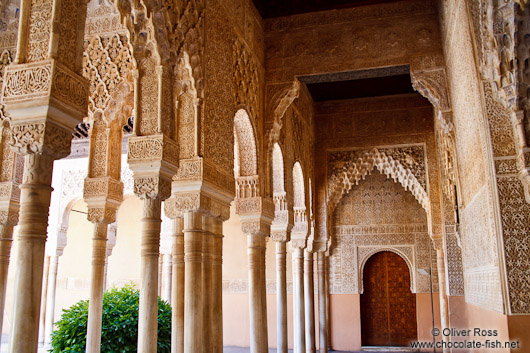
(246,75)
(102,19)
(107,64)
(379,215)
(405,165)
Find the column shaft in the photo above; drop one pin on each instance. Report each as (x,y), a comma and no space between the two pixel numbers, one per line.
(6,239)
(50,300)
(281,296)
(97,285)
(298,301)
(444,312)
(177,294)
(193,315)
(257,294)
(42,318)
(309,302)
(34,205)
(217,287)
(326,281)
(207,244)
(166,288)
(322,299)
(148,306)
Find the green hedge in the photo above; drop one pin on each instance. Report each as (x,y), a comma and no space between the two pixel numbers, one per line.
(119,327)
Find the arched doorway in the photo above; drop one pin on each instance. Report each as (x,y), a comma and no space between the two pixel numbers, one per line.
(388,307)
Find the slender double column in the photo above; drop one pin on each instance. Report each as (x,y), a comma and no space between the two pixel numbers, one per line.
(444,310)
(217,286)
(35,202)
(256,246)
(322,302)
(309,302)
(326,281)
(177,293)
(298,301)
(193,308)
(167,269)
(44,298)
(281,295)
(148,306)
(6,239)
(97,288)
(50,299)
(207,266)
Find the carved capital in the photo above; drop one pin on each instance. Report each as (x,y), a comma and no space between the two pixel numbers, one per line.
(298,243)
(152,187)
(43,137)
(106,214)
(170,208)
(255,226)
(279,235)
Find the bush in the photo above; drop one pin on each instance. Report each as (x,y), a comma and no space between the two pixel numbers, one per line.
(119,331)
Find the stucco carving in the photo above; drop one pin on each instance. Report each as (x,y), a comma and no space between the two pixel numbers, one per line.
(405,165)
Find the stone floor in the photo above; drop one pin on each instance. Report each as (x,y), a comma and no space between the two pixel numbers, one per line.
(273,350)
(4,346)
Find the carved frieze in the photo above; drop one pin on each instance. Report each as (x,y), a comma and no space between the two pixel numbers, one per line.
(45,82)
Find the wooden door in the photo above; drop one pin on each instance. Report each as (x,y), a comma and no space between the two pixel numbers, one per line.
(388,308)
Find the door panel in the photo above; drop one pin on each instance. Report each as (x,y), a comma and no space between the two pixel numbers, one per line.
(388,308)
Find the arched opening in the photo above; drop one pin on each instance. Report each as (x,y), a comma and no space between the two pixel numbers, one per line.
(245,156)
(388,307)
(299,196)
(278,183)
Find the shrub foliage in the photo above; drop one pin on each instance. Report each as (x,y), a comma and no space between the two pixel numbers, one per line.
(119,331)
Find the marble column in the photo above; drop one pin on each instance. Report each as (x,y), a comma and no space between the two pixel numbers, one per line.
(177,294)
(217,286)
(281,296)
(167,269)
(298,301)
(444,309)
(44,295)
(256,246)
(326,280)
(309,302)
(160,273)
(193,313)
(97,284)
(35,202)
(207,250)
(50,300)
(322,299)
(148,305)
(6,239)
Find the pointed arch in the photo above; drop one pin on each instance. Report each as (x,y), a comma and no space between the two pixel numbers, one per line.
(246,159)
(278,176)
(298,186)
